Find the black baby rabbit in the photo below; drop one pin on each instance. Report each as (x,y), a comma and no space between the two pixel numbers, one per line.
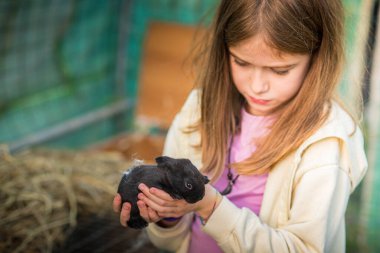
(178,177)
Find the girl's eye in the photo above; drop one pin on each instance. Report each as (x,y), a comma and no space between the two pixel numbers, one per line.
(240,63)
(281,72)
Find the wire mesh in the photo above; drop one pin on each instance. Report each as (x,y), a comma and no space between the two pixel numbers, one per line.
(59,60)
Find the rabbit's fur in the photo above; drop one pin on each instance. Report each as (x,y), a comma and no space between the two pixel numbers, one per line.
(178,177)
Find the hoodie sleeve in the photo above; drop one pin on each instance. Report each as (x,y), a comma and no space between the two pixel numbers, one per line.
(313,208)
(313,223)
(174,239)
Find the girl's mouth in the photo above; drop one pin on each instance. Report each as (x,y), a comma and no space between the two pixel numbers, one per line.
(259,101)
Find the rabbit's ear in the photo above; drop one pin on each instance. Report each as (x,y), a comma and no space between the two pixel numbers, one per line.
(163,159)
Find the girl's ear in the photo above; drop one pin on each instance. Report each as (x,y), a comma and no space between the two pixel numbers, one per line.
(163,159)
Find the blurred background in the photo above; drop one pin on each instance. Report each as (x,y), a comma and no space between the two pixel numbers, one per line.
(87,86)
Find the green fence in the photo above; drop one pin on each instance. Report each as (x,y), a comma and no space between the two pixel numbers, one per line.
(59,61)
(69,69)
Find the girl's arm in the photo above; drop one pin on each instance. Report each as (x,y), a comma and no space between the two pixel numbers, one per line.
(316,214)
(307,217)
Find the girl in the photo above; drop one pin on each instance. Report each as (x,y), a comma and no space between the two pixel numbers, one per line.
(265,126)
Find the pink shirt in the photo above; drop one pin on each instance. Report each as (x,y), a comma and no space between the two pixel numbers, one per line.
(247,191)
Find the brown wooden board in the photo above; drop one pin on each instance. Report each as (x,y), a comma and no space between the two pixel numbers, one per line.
(166,79)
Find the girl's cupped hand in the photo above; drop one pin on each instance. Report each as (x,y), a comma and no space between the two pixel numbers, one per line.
(155,204)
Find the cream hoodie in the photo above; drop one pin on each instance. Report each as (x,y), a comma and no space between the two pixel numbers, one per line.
(305,199)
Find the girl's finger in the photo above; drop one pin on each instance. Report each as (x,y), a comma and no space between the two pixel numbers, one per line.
(178,211)
(153,215)
(174,215)
(116,205)
(152,204)
(125,214)
(143,210)
(161,194)
(147,213)
(166,200)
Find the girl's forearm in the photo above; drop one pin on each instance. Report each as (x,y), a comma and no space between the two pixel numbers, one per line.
(208,204)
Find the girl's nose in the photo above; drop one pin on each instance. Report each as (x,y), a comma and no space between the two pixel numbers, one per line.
(259,84)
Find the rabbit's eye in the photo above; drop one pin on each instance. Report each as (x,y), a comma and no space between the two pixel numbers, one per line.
(188,185)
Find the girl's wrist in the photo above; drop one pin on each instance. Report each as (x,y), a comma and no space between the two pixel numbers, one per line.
(208,205)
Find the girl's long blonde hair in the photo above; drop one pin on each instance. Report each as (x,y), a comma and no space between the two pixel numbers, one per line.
(313,27)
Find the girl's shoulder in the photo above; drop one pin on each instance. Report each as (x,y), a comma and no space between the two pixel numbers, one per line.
(339,124)
(189,114)
(338,142)
(192,101)
(339,115)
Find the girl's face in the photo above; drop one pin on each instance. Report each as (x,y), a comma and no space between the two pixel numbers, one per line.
(267,79)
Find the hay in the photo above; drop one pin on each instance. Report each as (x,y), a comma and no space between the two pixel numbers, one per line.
(43,191)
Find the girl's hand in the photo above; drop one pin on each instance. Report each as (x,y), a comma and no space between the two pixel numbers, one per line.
(124,209)
(155,204)
(162,205)
(159,204)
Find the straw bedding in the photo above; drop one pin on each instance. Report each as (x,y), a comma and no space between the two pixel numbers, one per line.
(42,193)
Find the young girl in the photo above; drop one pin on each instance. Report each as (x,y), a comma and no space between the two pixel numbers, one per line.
(264,125)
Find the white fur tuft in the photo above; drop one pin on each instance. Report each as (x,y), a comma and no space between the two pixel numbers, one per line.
(136,163)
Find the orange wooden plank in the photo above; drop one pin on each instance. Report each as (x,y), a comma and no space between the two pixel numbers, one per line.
(166,79)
